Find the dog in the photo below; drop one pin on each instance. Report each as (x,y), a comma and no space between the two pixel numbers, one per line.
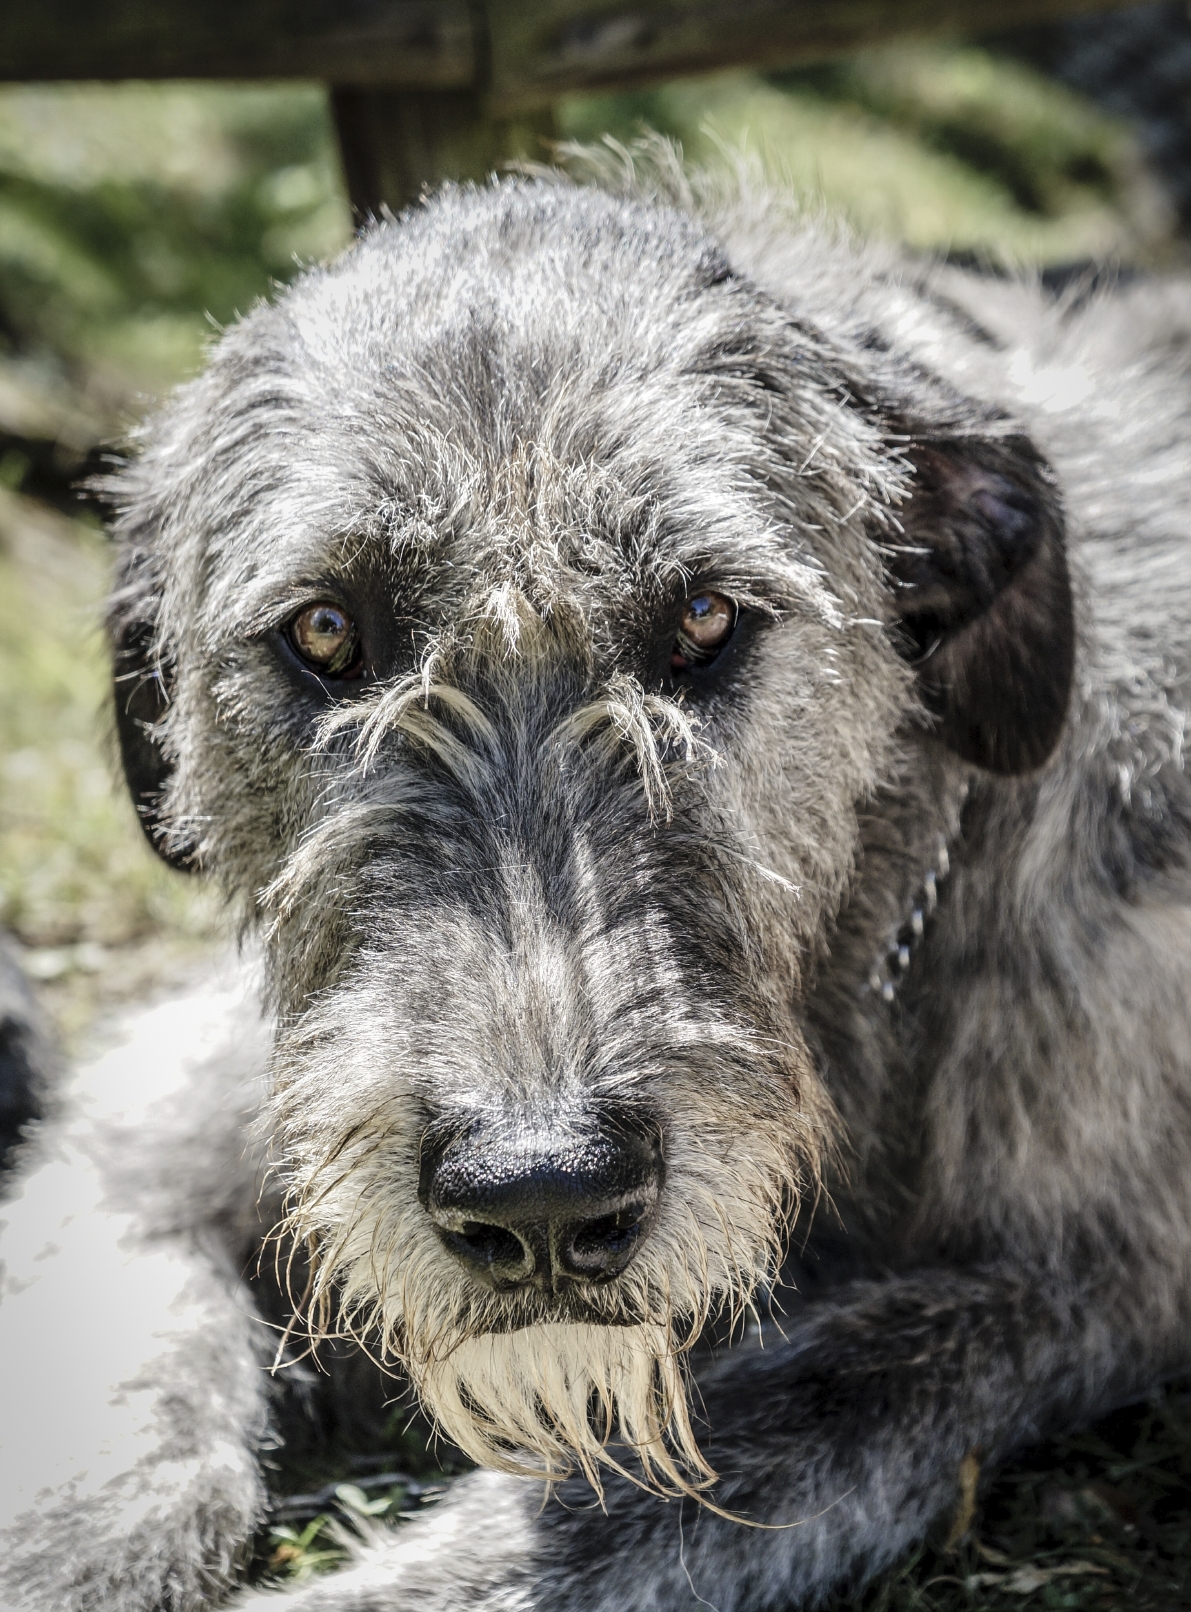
(691,709)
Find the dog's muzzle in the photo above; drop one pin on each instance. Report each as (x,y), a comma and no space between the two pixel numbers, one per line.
(533,1207)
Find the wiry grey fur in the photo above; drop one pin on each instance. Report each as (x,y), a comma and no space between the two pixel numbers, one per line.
(520,872)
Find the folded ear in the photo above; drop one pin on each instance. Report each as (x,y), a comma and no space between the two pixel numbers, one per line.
(984,598)
(140,686)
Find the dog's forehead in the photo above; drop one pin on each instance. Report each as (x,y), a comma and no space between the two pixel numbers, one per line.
(496,323)
(537,387)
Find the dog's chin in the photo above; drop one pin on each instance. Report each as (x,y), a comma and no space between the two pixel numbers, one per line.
(545,1396)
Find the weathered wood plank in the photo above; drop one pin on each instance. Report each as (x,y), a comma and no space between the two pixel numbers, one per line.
(541,49)
(524,52)
(425,44)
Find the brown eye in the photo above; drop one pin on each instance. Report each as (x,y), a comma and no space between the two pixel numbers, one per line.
(326,638)
(706,626)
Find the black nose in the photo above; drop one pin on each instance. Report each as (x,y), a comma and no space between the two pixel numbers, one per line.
(524,1205)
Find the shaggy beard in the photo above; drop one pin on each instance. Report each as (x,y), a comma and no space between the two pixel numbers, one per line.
(548,1397)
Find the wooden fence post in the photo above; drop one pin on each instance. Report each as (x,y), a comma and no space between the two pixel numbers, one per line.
(395,142)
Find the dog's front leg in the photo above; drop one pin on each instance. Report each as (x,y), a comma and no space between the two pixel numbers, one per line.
(844,1442)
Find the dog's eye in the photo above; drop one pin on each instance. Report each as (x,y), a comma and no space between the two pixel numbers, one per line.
(325,637)
(708,620)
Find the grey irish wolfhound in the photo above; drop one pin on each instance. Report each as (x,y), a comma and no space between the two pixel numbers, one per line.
(693,709)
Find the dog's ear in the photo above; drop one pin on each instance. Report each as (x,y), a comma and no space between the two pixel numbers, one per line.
(141,690)
(983,597)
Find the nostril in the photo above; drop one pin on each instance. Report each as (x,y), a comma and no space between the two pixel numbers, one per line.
(611,1233)
(491,1245)
(494,1250)
(603,1247)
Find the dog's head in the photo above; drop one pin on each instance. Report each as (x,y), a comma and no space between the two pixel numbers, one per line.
(518,615)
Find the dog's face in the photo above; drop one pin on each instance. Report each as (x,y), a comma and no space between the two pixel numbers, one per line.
(522,614)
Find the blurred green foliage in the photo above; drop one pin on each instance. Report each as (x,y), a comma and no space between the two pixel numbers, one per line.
(944,147)
(134,220)
(135,217)
(102,918)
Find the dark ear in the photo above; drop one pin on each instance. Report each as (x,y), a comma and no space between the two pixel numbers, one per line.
(984,598)
(141,700)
